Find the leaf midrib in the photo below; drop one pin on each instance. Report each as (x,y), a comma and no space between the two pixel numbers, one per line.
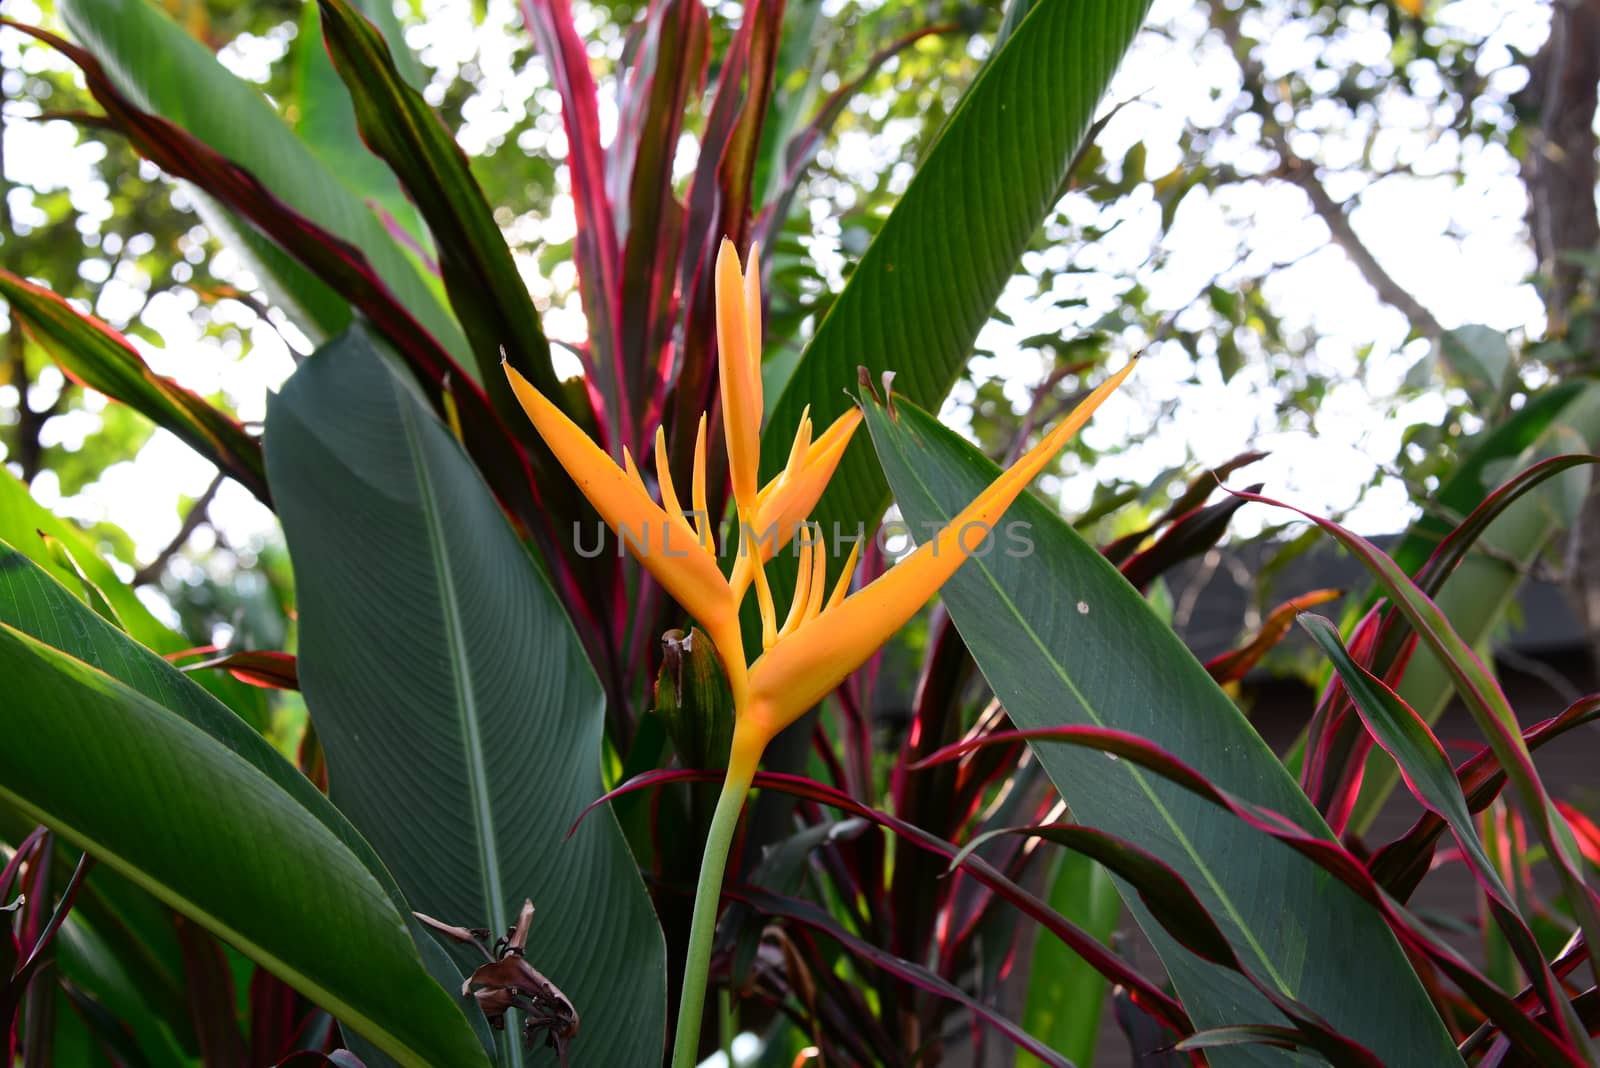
(466,699)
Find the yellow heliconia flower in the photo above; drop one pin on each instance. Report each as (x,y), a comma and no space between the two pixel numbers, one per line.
(831,641)
(824,635)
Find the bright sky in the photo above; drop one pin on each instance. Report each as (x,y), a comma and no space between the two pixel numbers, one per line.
(1405,221)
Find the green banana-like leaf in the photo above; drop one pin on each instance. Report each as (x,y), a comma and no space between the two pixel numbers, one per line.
(326,121)
(1065,995)
(36,605)
(164,70)
(171,808)
(1064,639)
(23,519)
(926,285)
(33,602)
(461,719)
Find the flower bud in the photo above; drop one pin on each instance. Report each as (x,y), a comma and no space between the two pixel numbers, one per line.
(693,700)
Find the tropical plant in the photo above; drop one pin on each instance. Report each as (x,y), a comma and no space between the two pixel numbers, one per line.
(462,864)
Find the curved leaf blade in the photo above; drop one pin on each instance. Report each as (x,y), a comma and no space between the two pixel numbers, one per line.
(36,605)
(808,915)
(326,122)
(102,359)
(488,293)
(1430,778)
(23,519)
(235,853)
(1066,995)
(1481,694)
(1482,586)
(1400,865)
(1146,994)
(461,720)
(1064,639)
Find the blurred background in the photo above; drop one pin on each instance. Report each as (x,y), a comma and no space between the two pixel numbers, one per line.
(1314,218)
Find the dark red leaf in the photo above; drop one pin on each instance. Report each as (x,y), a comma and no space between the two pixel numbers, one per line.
(1432,781)
(1193,496)
(1484,699)
(1330,856)
(208,982)
(598,252)
(719,205)
(1189,536)
(1400,865)
(1113,967)
(271,670)
(667,77)
(817,919)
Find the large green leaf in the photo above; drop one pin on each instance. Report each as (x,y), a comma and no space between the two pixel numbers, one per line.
(163,803)
(164,70)
(1064,639)
(36,605)
(23,519)
(461,719)
(33,602)
(928,282)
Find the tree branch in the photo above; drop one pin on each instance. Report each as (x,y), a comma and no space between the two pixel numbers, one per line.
(1303,173)
(198,514)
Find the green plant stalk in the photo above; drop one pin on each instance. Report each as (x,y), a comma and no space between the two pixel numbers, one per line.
(703,926)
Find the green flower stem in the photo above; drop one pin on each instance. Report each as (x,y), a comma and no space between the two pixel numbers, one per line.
(703,929)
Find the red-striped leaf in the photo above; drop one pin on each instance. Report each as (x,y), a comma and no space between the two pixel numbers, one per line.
(597,248)
(1332,857)
(719,205)
(339,264)
(480,276)
(1400,865)
(666,79)
(1236,664)
(817,919)
(1432,781)
(93,354)
(1146,994)
(1484,699)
